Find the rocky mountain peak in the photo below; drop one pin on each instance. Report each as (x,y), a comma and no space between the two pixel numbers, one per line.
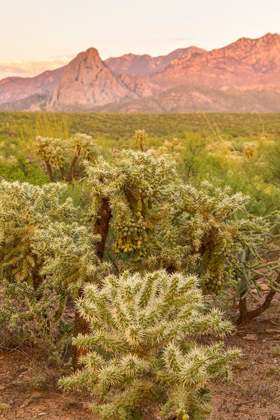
(91,56)
(88,82)
(86,65)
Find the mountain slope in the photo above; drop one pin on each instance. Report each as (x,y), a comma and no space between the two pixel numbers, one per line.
(35,102)
(16,88)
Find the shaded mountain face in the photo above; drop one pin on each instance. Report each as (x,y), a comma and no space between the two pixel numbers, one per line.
(145,64)
(16,88)
(242,77)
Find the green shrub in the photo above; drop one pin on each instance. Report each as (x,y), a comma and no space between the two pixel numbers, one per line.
(19,169)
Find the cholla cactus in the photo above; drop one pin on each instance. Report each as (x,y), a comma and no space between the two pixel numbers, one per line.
(52,151)
(143,349)
(69,253)
(83,146)
(224,150)
(203,234)
(23,208)
(138,187)
(171,149)
(43,259)
(61,154)
(163,223)
(141,138)
(251,149)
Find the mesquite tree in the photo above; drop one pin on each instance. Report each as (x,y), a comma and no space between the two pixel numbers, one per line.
(143,333)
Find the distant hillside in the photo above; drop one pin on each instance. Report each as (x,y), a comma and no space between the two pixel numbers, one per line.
(36,102)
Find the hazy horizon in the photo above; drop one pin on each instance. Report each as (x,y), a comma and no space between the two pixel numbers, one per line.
(47,36)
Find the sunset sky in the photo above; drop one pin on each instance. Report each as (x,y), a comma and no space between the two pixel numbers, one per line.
(45,34)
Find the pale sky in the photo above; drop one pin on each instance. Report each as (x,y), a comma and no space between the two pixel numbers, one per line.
(45,34)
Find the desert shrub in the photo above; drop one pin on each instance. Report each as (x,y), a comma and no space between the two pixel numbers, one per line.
(246,167)
(144,347)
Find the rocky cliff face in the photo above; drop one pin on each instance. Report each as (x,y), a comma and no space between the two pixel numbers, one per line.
(88,82)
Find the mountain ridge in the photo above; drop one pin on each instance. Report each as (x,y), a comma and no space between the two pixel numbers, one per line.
(144,64)
(243,76)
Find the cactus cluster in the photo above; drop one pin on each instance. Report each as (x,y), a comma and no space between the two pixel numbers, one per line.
(45,256)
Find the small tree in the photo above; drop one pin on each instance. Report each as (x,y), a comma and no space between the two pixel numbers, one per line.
(143,346)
